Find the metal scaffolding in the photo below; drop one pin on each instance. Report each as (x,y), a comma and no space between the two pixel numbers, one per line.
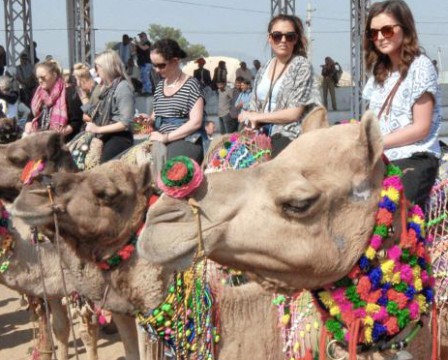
(81,33)
(18,30)
(359,10)
(283,7)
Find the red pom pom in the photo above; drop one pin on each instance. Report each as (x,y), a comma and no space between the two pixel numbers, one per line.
(177,172)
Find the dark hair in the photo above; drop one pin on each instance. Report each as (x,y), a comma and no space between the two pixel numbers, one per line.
(410,49)
(247,82)
(302,43)
(169,49)
(239,79)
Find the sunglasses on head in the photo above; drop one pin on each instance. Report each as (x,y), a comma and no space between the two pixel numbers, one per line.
(277,36)
(387,32)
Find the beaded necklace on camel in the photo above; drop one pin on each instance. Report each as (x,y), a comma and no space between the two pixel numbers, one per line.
(185,320)
(389,288)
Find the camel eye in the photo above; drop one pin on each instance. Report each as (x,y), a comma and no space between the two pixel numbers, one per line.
(107,196)
(299,207)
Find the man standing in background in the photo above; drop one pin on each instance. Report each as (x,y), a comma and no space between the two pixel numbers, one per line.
(142,48)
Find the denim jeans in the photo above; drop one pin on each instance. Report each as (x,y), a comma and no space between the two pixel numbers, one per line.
(145,70)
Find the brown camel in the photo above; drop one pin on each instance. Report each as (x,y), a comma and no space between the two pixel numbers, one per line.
(300,221)
(24,273)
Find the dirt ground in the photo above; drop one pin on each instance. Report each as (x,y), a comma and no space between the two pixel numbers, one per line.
(16,333)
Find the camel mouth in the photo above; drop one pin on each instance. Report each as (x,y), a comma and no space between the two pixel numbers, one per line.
(33,218)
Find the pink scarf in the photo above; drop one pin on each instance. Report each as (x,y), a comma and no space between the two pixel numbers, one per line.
(55,102)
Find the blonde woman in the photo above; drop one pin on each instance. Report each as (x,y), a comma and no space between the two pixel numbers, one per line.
(88,89)
(113,115)
(54,106)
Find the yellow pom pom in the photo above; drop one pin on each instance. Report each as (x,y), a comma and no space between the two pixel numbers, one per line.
(326,299)
(370,253)
(316,324)
(418,284)
(334,310)
(302,334)
(222,153)
(387,267)
(285,319)
(368,335)
(422,303)
(308,327)
(368,321)
(396,278)
(296,346)
(372,308)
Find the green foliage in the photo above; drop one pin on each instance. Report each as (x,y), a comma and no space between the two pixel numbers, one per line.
(194,51)
(111,44)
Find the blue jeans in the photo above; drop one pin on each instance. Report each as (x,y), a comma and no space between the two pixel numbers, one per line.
(145,70)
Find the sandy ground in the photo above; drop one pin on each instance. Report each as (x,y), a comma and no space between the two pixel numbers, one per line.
(16,333)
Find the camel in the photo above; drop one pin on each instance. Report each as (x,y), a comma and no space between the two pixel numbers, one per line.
(86,279)
(324,210)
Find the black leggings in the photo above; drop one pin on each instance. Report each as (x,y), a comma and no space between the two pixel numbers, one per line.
(115,144)
(186,148)
(419,174)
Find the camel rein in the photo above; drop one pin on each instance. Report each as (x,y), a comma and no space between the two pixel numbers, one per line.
(49,187)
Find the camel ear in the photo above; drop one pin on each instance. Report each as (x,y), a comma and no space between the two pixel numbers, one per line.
(54,146)
(16,153)
(316,119)
(370,136)
(143,177)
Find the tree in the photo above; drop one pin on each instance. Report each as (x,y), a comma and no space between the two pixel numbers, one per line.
(194,51)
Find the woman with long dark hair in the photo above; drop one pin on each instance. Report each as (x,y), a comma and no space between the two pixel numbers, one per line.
(404,94)
(285,88)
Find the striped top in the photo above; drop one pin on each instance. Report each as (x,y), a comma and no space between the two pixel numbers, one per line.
(177,105)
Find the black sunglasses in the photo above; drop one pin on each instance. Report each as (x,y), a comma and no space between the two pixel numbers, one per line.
(277,36)
(160,66)
(387,32)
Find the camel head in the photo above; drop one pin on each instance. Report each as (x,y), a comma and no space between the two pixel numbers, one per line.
(47,146)
(301,220)
(97,211)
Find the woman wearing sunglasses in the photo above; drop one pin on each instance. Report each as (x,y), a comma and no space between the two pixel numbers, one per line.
(178,103)
(285,87)
(404,94)
(54,106)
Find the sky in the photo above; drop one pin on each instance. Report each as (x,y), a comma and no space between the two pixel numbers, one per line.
(236,28)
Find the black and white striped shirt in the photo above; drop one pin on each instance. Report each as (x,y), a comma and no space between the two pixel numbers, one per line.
(177,105)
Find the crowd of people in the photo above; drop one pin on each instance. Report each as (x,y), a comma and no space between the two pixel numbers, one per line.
(271,98)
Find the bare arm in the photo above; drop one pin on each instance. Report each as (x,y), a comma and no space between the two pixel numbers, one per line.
(284,116)
(419,129)
(193,124)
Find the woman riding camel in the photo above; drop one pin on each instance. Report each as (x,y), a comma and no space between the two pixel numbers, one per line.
(113,115)
(54,106)
(178,104)
(404,95)
(285,88)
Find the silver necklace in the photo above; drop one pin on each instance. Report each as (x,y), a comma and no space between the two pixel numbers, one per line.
(174,83)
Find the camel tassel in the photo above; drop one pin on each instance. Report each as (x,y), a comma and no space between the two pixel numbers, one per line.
(354,336)
(323,343)
(435,332)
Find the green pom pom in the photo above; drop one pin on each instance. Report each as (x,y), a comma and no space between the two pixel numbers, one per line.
(403,318)
(393,170)
(392,308)
(381,230)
